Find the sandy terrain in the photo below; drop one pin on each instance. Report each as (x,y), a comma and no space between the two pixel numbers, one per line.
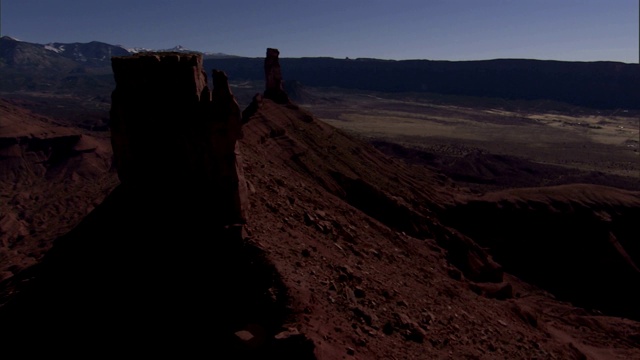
(579,138)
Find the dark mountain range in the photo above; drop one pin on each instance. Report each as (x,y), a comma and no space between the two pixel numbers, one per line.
(18,55)
(91,54)
(76,69)
(28,56)
(84,68)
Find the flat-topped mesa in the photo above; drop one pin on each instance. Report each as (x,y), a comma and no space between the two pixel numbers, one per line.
(274,89)
(172,136)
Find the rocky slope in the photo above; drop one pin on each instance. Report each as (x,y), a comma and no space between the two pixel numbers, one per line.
(399,283)
(50,177)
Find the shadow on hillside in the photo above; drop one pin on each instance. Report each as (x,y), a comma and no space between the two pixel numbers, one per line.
(151,274)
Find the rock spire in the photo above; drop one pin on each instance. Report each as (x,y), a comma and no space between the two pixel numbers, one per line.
(274,89)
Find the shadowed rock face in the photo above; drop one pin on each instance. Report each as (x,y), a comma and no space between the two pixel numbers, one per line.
(274,89)
(171,135)
(578,241)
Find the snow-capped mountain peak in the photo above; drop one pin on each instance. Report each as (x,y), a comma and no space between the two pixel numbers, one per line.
(177,48)
(136,50)
(11,38)
(58,48)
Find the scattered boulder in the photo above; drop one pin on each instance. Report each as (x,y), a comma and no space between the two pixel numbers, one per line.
(500,291)
(525,313)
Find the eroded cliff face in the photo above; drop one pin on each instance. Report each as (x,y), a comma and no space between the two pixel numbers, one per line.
(172,135)
(162,264)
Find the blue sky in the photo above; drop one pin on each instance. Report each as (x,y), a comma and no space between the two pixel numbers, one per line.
(573,30)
